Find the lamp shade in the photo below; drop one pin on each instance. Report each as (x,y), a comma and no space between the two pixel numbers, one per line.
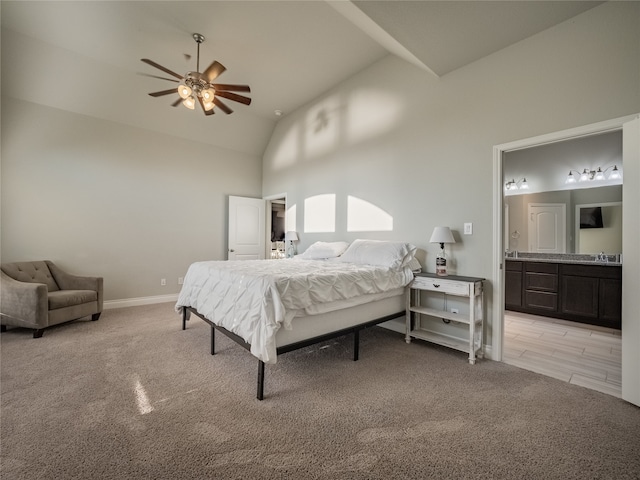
(291,236)
(442,235)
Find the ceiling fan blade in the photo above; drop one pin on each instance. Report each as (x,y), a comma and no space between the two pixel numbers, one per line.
(213,70)
(177,102)
(164,92)
(231,88)
(222,106)
(235,97)
(206,112)
(159,77)
(160,67)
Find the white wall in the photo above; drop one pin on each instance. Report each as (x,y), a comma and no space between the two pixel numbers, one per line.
(106,199)
(420,148)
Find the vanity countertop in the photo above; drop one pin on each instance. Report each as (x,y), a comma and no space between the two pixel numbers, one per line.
(562,258)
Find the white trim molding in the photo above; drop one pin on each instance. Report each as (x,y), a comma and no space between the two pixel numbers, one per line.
(136,302)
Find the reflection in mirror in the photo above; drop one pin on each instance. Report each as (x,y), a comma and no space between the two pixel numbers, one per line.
(608,239)
(598,228)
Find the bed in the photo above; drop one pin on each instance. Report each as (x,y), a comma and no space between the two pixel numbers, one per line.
(271,307)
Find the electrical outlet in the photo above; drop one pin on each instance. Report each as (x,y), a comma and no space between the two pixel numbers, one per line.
(468,228)
(163,282)
(454,310)
(180,280)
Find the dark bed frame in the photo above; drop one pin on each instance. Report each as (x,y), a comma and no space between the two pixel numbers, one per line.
(355,329)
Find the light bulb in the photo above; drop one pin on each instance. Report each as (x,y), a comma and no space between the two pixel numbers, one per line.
(189,102)
(184,91)
(207,95)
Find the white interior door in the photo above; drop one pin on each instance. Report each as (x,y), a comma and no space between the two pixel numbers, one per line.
(246,228)
(631,262)
(547,227)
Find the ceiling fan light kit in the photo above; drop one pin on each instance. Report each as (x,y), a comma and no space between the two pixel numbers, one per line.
(199,87)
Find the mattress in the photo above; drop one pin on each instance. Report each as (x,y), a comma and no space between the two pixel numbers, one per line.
(256,298)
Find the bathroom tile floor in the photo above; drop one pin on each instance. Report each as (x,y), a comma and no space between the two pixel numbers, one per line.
(577,353)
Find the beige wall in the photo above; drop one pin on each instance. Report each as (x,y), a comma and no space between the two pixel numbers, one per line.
(102,198)
(420,148)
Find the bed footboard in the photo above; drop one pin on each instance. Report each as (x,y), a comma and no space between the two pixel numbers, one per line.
(355,329)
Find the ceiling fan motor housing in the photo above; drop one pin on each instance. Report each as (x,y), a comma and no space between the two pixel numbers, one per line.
(196,82)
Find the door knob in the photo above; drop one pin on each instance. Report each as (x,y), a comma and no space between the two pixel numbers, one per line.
(231,250)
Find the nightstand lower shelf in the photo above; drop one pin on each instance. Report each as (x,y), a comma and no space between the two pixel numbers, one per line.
(457,343)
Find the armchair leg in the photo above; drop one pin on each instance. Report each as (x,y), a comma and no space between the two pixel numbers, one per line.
(38,333)
(95,316)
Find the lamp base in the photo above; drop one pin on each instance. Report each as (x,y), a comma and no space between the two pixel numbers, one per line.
(441,264)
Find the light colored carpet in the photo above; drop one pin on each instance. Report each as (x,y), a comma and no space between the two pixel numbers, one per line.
(133,396)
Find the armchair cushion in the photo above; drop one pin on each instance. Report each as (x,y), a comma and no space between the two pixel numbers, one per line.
(67,298)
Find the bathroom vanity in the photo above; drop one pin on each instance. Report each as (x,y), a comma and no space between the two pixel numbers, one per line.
(565,286)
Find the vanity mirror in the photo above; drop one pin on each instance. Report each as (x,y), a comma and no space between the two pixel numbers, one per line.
(584,209)
(545,218)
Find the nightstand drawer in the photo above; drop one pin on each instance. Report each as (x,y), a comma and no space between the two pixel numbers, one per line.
(450,287)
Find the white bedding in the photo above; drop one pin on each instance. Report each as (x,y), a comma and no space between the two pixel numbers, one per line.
(255,298)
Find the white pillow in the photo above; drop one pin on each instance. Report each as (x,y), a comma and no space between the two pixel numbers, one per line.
(379,252)
(321,250)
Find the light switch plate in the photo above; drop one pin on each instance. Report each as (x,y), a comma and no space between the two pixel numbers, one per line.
(468,228)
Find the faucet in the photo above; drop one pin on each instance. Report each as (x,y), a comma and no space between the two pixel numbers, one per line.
(602,257)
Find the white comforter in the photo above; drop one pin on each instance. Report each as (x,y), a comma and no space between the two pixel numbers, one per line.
(255,298)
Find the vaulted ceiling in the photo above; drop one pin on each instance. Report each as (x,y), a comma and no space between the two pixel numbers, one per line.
(84,56)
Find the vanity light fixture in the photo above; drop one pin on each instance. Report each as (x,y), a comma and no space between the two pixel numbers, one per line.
(517,185)
(599,174)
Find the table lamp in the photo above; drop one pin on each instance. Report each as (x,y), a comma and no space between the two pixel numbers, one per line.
(441,235)
(291,237)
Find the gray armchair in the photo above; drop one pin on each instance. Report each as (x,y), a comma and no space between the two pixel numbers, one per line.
(39,294)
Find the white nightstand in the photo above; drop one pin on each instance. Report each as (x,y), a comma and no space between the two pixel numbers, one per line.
(428,320)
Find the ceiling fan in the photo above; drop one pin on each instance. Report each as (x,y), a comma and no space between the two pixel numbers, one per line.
(198,87)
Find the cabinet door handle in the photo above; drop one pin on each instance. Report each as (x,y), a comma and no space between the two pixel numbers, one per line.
(436,285)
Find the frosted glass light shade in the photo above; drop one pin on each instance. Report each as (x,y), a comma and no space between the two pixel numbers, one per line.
(189,102)
(184,91)
(207,94)
(615,174)
(570,178)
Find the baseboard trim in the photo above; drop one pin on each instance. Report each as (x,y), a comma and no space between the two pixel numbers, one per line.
(136,302)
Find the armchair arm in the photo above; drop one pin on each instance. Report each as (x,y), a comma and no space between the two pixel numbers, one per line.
(67,281)
(23,304)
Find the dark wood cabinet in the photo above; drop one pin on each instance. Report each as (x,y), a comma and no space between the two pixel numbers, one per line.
(580,296)
(610,302)
(513,284)
(579,292)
